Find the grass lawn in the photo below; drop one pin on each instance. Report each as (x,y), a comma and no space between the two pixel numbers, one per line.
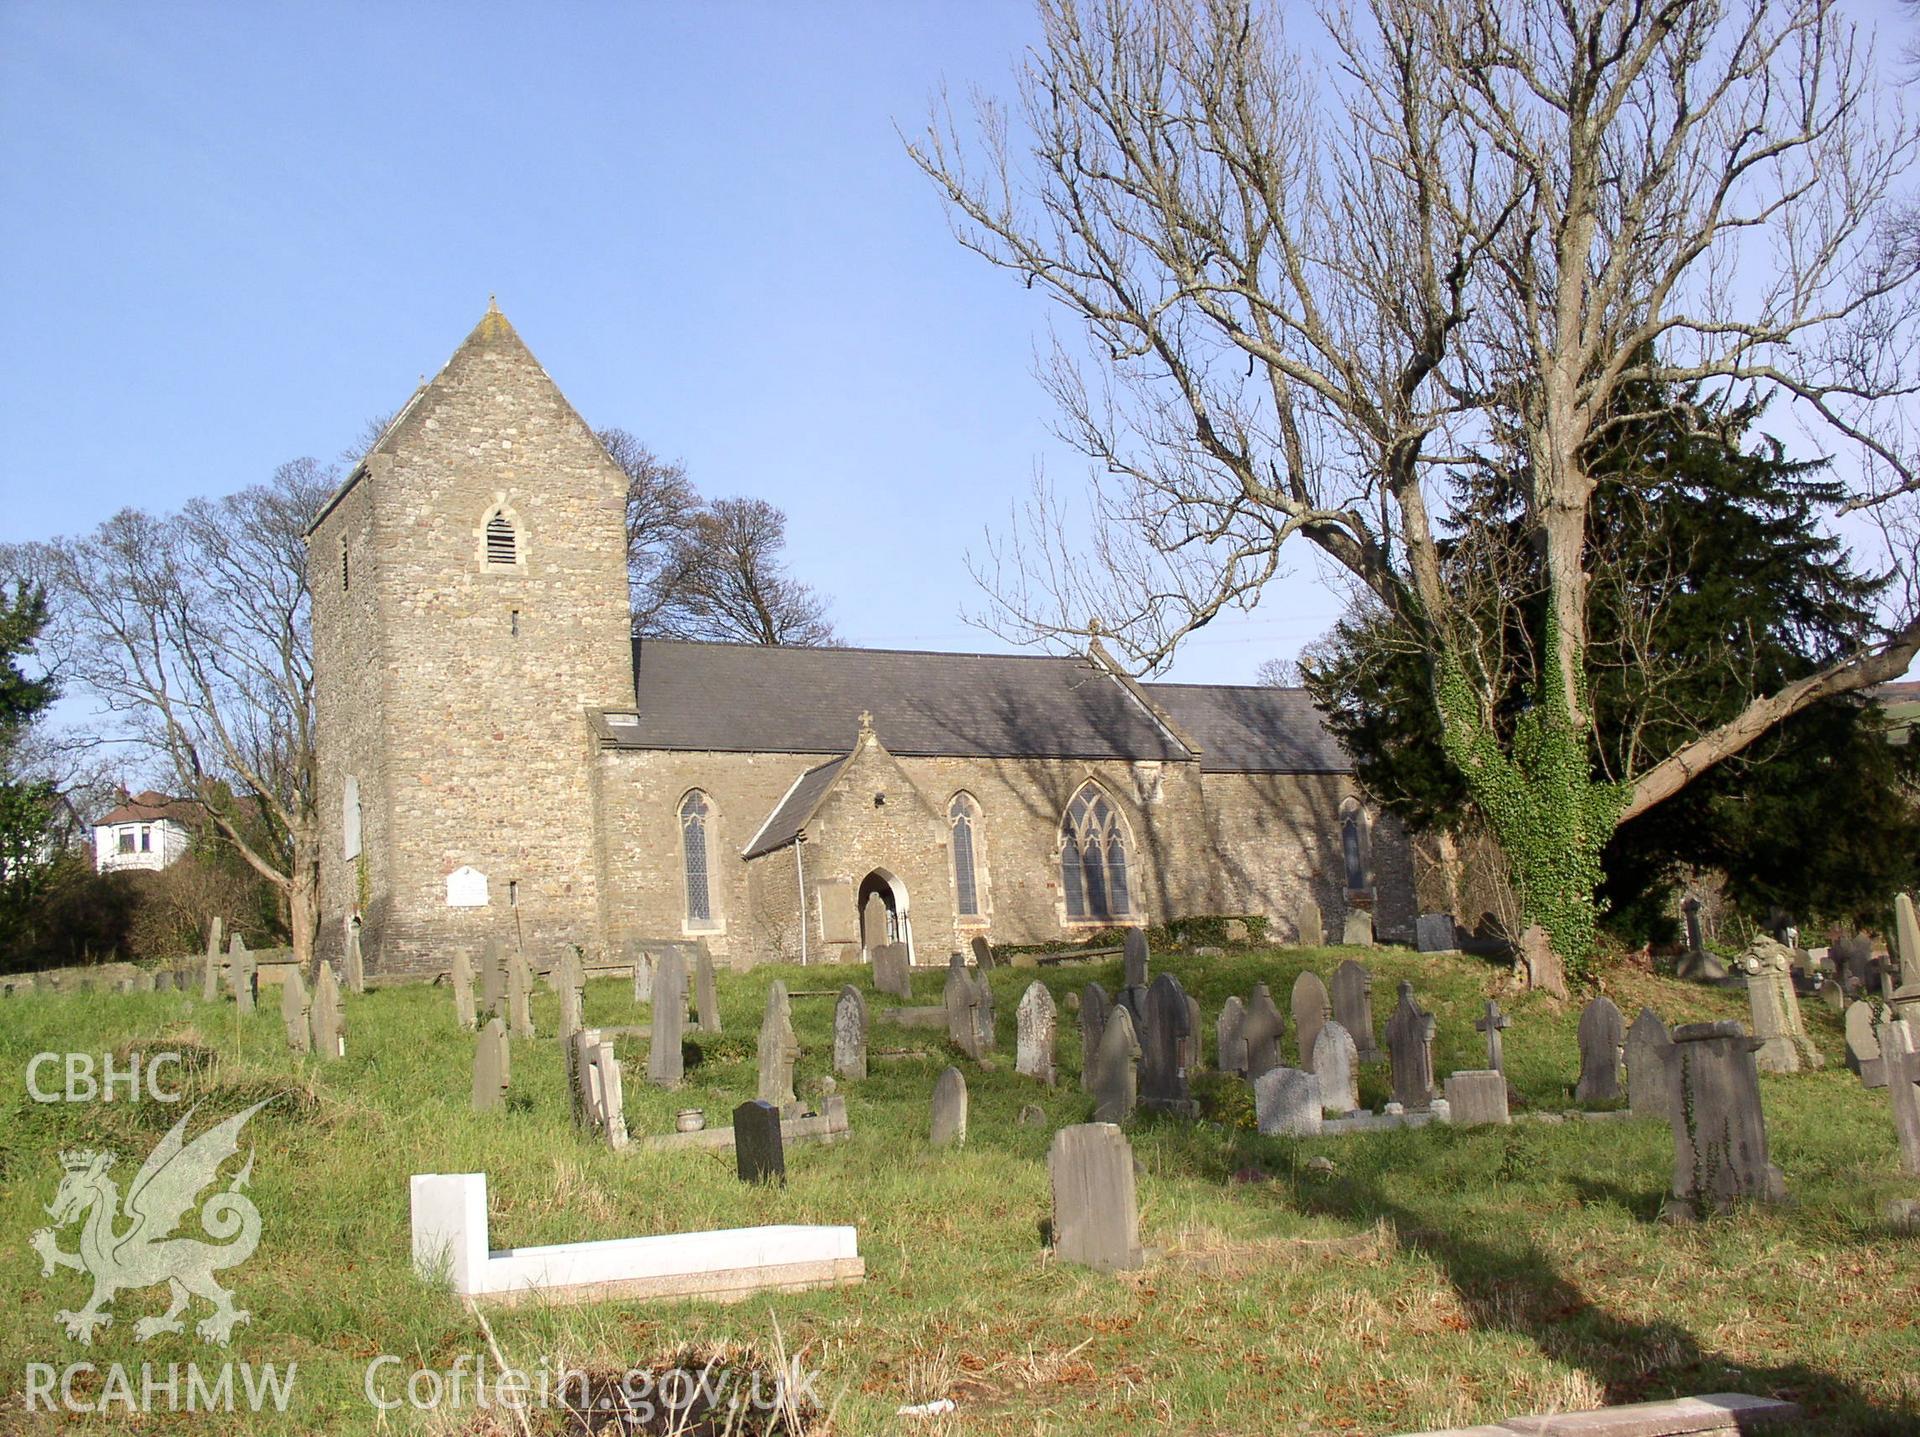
(1431,1278)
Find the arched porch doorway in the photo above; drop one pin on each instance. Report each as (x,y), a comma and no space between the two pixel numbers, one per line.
(887,919)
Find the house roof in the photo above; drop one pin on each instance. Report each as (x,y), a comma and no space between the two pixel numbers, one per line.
(152,807)
(790,815)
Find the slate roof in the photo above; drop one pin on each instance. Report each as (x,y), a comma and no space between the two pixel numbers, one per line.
(790,815)
(1252,729)
(152,807)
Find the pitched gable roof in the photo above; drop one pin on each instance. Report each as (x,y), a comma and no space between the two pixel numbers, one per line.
(1253,729)
(790,815)
(153,807)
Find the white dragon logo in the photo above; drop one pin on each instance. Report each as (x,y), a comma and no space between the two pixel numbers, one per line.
(146,1253)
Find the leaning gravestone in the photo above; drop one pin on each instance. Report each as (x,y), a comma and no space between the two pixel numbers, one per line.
(949,1109)
(490,1067)
(1784,1045)
(1358,932)
(850,1034)
(602,1108)
(493,975)
(1230,1037)
(1863,1045)
(1311,1009)
(669,1020)
(1649,1067)
(1540,965)
(519,996)
(759,1152)
(982,953)
(1902,1061)
(463,1012)
(1477,1097)
(961,998)
(356,961)
(1096,1218)
(892,973)
(1491,1023)
(1116,1082)
(1433,933)
(1410,1045)
(1337,1067)
(779,1048)
(1307,923)
(1166,1049)
(1262,1029)
(1035,1020)
(210,965)
(1286,1103)
(706,999)
(1719,1130)
(1094,1006)
(243,975)
(328,1020)
(1353,1007)
(1603,1033)
(293,1011)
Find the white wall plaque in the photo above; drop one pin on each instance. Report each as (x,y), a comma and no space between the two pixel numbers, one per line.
(466,888)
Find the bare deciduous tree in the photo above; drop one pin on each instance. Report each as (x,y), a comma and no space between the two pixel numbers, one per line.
(1317,289)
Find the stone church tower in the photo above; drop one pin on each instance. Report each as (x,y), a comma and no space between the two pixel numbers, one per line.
(469,606)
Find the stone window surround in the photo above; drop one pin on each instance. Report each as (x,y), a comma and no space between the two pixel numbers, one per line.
(500,507)
(982,872)
(715,922)
(1134,914)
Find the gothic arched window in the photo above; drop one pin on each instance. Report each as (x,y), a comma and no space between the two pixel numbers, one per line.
(1093,857)
(963,816)
(696,815)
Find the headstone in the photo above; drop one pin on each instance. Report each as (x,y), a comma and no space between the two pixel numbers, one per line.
(602,1103)
(850,1034)
(1358,931)
(1096,1218)
(961,998)
(1410,1045)
(1307,922)
(1540,965)
(706,998)
(1262,1028)
(1649,1067)
(1784,1045)
(490,1067)
(1166,1048)
(1863,1045)
(1116,1083)
(1094,1006)
(1196,1036)
(243,975)
(642,962)
(779,1048)
(1477,1097)
(982,953)
(519,995)
(572,1007)
(759,1154)
(463,1011)
(892,973)
(668,1020)
(162,983)
(1135,959)
(294,1011)
(1851,956)
(210,965)
(493,976)
(1719,1130)
(1603,1033)
(949,1109)
(1492,1022)
(328,1017)
(1286,1103)
(356,961)
(984,1036)
(874,928)
(1353,1007)
(1311,1010)
(1906,934)
(1433,933)
(1696,938)
(1337,1067)
(1902,1061)
(1230,1039)
(1035,1021)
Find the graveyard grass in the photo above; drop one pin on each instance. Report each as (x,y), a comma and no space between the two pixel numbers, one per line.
(1431,1278)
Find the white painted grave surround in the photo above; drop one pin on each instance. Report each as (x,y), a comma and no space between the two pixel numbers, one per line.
(450,1236)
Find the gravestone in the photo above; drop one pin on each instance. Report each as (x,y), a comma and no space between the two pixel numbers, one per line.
(1286,1103)
(1902,1063)
(1784,1045)
(779,1048)
(1116,1083)
(669,1020)
(490,1067)
(243,975)
(1906,935)
(1311,1010)
(1358,930)
(327,1018)
(1033,1048)
(1696,938)
(602,1104)
(1540,966)
(572,1001)
(984,1036)
(643,963)
(293,1011)
(1719,1130)
(1492,1022)
(949,1109)
(1135,957)
(463,1012)
(162,983)
(210,965)
(1410,1045)
(1094,1007)
(356,961)
(982,953)
(519,995)
(1649,1067)
(961,998)
(1863,1045)
(1230,1039)
(1096,1217)
(1477,1097)
(1197,1036)
(759,1154)
(706,998)
(874,928)
(1353,1007)
(1603,1033)
(892,973)
(850,1034)
(1307,923)
(1166,1049)
(493,975)
(1337,1067)
(1851,955)
(1263,1027)
(1433,933)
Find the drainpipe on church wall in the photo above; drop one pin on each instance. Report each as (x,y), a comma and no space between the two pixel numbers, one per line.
(800,878)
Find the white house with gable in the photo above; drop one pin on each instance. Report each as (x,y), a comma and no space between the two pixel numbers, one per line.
(147,831)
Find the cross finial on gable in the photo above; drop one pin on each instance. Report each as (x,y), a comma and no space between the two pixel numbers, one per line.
(866,723)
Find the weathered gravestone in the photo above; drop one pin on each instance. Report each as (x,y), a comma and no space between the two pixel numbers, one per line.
(1096,1218)
(892,973)
(1863,1045)
(1540,966)
(874,927)
(642,962)
(1116,1082)
(569,983)
(162,983)
(1902,1062)
(243,975)
(1353,1007)
(327,1016)
(1094,1007)
(1358,930)
(850,1034)
(493,976)
(1035,1024)
(1433,933)
(1196,1036)
(949,1109)
(779,1048)
(1603,1033)
(293,1011)
(1230,1037)
(356,960)
(463,1011)
(705,997)
(1492,1022)
(1649,1067)
(1851,955)
(1308,925)
(961,997)
(1262,1028)
(1906,934)
(1477,1097)
(519,995)
(1311,1010)
(668,1020)
(1286,1103)
(1135,957)
(1410,1046)
(601,1102)
(982,953)
(210,965)
(1337,1067)
(491,1068)
(759,1153)
(1784,1045)
(983,1017)
(1719,1130)
(1166,1049)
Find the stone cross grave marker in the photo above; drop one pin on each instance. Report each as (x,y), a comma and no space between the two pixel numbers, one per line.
(892,973)
(1784,1045)
(1094,1007)
(293,1011)
(668,1020)
(1262,1028)
(1492,1023)
(1165,1049)
(1902,1063)
(1311,1011)
(328,1016)
(601,1107)
(519,995)
(949,1109)
(1353,1007)
(1036,1022)
(1603,1033)
(779,1048)
(850,1034)
(491,1069)
(1116,1082)
(1308,924)
(493,975)
(759,1152)
(1649,1067)
(1476,1097)
(1410,1045)
(463,1011)
(706,996)
(1719,1129)
(1230,1038)
(1337,1066)
(1863,1045)
(243,975)
(1096,1217)
(1286,1103)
